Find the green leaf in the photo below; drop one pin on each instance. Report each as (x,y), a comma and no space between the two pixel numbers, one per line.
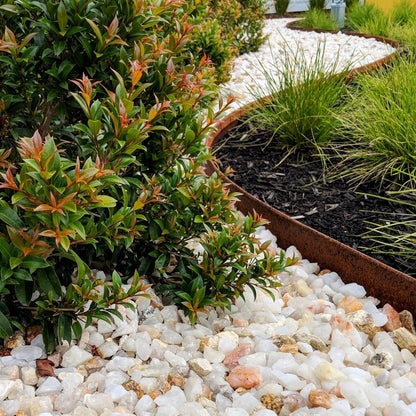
(48,336)
(65,243)
(9,216)
(62,17)
(6,329)
(22,274)
(33,263)
(105,201)
(83,269)
(77,329)
(48,282)
(95,126)
(116,280)
(154,230)
(58,47)
(6,250)
(15,262)
(9,8)
(64,328)
(24,292)
(162,261)
(96,30)
(79,228)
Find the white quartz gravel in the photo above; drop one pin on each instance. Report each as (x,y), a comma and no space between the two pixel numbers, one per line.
(303,353)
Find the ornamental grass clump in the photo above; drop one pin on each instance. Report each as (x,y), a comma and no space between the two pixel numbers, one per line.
(124,189)
(304,97)
(367,18)
(380,128)
(318,19)
(395,233)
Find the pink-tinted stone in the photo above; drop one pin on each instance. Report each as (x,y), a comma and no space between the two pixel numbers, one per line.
(350,304)
(240,322)
(338,322)
(294,401)
(286,298)
(245,377)
(231,359)
(393,318)
(320,398)
(319,306)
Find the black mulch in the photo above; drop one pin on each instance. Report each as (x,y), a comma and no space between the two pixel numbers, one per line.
(295,187)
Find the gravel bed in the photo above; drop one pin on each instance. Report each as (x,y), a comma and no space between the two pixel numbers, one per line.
(321,347)
(347,51)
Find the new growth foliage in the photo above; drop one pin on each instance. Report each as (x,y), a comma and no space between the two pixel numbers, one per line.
(104,113)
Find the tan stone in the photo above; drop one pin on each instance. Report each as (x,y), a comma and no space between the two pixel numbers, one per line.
(201,366)
(364,322)
(176,379)
(280,340)
(404,339)
(289,348)
(336,391)
(406,318)
(272,402)
(314,341)
(135,386)
(155,393)
(14,341)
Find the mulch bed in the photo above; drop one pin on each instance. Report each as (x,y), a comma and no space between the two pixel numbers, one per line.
(295,187)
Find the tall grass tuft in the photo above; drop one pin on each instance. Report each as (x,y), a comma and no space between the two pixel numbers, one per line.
(396,233)
(404,13)
(381,126)
(318,19)
(304,100)
(281,6)
(367,18)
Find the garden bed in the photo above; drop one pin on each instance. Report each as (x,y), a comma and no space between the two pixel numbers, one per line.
(298,188)
(378,278)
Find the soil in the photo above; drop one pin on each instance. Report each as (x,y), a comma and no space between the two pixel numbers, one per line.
(297,188)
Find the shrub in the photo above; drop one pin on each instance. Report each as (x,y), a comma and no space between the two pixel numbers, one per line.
(317,4)
(304,100)
(48,43)
(128,193)
(281,6)
(380,125)
(318,19)
(242,21)
(211,40)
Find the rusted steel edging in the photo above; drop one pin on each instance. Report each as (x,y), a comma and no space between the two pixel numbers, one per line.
(381,281)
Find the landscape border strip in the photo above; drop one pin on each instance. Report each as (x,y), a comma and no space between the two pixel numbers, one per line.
(381,281)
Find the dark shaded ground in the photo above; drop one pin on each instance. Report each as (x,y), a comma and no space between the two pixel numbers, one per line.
(296,188)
